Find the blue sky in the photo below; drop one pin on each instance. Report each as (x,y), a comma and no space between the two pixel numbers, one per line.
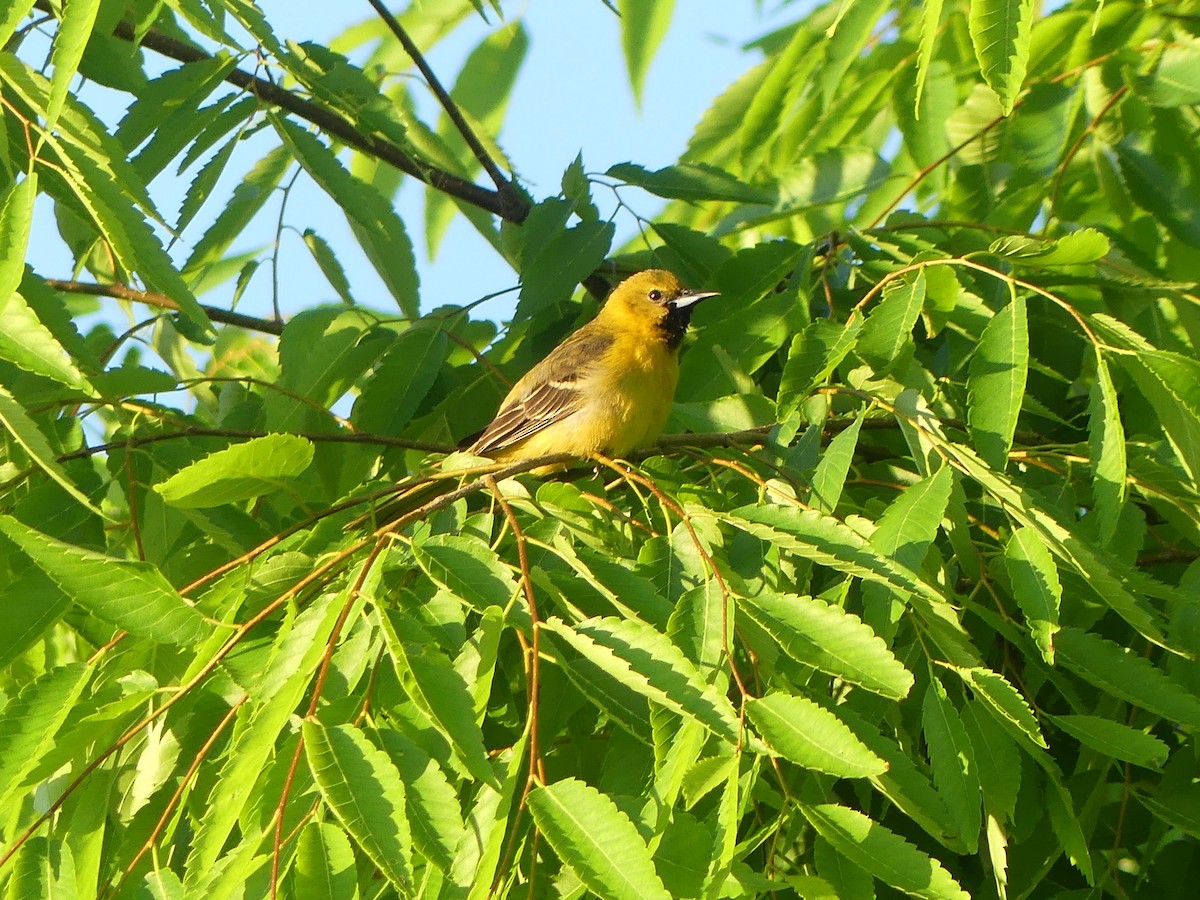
(572,96)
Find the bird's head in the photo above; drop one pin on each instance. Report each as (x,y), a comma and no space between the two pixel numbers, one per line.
(655,298)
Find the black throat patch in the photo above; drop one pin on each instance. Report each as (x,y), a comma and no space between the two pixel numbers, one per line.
(674,324)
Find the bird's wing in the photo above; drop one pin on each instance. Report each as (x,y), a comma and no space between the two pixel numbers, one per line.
(549,393)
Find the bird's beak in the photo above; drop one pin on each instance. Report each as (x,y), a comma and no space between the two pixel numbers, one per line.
(689,298)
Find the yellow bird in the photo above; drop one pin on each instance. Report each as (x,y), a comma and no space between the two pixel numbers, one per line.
(608,387)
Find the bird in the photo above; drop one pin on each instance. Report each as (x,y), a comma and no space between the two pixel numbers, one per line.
(608,387)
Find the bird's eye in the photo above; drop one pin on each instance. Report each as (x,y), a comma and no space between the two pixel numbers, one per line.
(656,296)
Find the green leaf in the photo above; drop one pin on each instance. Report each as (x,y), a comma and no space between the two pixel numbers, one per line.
(828,638)
(78,17)
(325,867)
(30,439)
(1036,587)
(12,16)
(16,216)
(812,357)
(380,232)
(1000,31)
(414,360)
(293,660)
(1115,740)
(693,181)
(828,542)
(1175,80)
(258,466)
(644,660)
(904,533)
(830,475)
(595,840)
(430,681)
(999,367)
(256,188)
(1127,675)
(888,329)
(884,854)
(811,736)
(31,720)
(329,265)
(362,788)
(551,271)
(131,595)
(644,24)
(432,804)
(469,570)
(1106,440)
(1004,702)
(931,17)
(760,118)
(1083,246)
(953,761)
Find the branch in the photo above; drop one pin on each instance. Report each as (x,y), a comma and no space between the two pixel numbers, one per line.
(162,301)
(503,185)
(507,205)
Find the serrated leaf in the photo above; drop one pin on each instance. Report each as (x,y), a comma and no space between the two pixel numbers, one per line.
(29,437)
(931,16)
(30,721)
(830,475)
(430,681)
(1115,740)
(693,181)
(999,367)
(24,340)
(255,189)
(646,661)
(1004,702)
(888,329)
(1000,32)
(414,360)
(1127,675)
(380,232)
(258,466)
(1175,80)
(293,661)
(78,17)
(644,24)
(329,265)
(1036,587)
(812,357)
(432,804)
(828,542)
(828,638)
(131,595)
(470,570)
(1106,440)
(760,118)
(361,786)
(884,854)
(811,736)
(953,760)
(324,867)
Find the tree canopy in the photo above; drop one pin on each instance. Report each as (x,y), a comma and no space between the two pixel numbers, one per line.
(906,602)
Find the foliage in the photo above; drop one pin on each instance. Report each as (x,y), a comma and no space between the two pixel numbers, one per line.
(913,610)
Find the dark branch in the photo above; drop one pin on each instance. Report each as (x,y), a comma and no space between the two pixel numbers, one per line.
(508,205)
(162,301)
(503,185)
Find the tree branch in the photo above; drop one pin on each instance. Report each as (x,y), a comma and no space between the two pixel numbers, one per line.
(508,205)
(503,186)
(162,301)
